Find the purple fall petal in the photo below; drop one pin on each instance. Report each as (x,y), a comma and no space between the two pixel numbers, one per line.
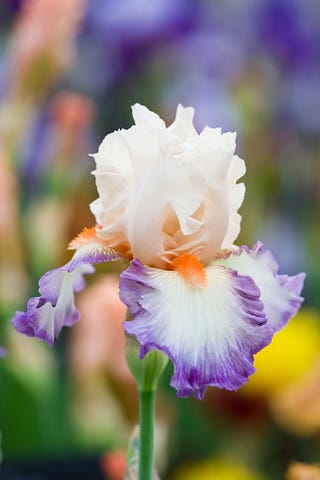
(55,308)
(209,334)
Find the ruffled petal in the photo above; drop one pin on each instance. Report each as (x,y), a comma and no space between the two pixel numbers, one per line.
(55,308)
(210,332)
(280,294)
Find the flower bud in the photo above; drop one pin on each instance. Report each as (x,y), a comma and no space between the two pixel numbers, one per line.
(146,371)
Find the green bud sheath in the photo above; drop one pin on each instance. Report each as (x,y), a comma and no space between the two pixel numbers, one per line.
(146,371)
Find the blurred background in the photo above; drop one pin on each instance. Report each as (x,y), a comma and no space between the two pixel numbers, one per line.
(69,72)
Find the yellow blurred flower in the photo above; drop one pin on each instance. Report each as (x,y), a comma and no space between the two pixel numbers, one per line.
(215,469)
(289,357)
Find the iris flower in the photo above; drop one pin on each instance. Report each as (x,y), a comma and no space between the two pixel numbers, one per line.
(168,203)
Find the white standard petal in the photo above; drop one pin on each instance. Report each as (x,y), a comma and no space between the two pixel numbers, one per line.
(114,182)
(209,332)
(236,195)
(280,294)
(164,192)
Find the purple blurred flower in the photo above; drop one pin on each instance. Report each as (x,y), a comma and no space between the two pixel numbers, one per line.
(137,20)
(211,99)
(287,32)
(116,36)
(60,130)
(299,104)
(36,149)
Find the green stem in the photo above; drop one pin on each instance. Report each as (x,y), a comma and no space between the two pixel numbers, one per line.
(147,408)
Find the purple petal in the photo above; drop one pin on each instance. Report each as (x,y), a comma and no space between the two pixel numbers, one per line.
(210,334)
(44,320)
(38,321)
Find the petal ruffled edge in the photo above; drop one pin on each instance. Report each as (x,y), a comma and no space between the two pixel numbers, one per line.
(280,294)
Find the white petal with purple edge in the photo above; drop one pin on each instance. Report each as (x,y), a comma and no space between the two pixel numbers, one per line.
(46,315)
(280,294)
(210,333)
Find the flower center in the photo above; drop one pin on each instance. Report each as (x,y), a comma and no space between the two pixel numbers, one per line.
(191,269)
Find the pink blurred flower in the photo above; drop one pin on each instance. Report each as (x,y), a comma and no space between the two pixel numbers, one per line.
(98,341)
(303,471)
(43,40)
(72,110)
